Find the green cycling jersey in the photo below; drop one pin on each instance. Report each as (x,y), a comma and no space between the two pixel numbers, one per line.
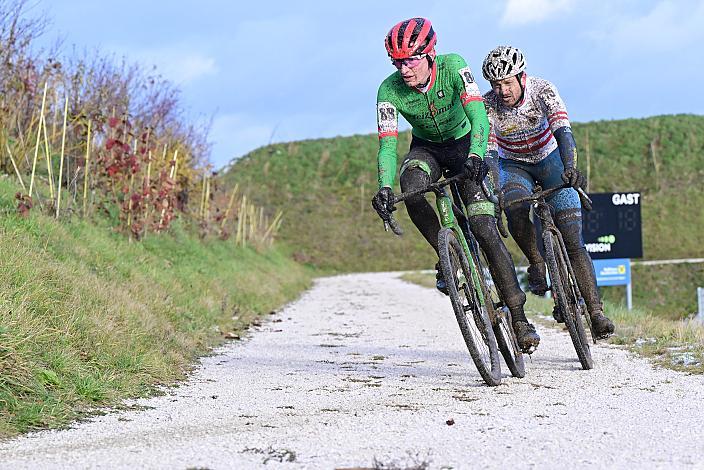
(450,107)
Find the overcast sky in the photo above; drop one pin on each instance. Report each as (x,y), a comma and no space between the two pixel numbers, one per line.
(280,70)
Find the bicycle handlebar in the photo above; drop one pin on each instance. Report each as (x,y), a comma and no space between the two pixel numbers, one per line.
(499,201)
(542,194)
(586,201)
(538,195)
(393,225)
(434,187)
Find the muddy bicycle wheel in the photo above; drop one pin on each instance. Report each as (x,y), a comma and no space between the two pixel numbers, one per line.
(500,317)
(565,291)
(472,317)
(508,344)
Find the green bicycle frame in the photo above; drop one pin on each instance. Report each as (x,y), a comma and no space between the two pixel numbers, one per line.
(448,220)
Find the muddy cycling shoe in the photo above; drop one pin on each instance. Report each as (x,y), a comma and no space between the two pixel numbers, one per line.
(557,314)
(528,339)
(602,326)
(440,283)
(537,283)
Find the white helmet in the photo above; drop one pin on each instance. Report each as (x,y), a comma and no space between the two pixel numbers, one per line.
(503,62)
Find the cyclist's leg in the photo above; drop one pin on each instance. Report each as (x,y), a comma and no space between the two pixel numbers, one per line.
(568,219)
(517,181)
(482,223)
(419,169)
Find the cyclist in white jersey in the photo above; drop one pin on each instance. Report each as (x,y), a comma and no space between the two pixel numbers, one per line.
(531,137)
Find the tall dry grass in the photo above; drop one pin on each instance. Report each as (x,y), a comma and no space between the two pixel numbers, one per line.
(87,135)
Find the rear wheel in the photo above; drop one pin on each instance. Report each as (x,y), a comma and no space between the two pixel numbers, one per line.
(567,298)
(508,344)
(472,316)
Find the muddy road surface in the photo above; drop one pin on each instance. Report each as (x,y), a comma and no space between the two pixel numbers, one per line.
(368,371)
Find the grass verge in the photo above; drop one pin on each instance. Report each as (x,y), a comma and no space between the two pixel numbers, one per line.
(88,318)
(673,343)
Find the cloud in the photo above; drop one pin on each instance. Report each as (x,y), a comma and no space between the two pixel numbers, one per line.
(235,134)
(669,26)
(521,12)
(175,62)
(188,68)
(179,66)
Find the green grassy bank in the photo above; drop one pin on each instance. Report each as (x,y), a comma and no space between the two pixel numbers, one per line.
(324,187)
(669,342)
(88,318)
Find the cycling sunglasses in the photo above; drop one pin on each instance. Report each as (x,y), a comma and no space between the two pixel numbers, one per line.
(410,62)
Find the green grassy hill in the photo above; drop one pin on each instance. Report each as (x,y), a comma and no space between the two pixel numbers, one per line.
(88,318)
(324,188)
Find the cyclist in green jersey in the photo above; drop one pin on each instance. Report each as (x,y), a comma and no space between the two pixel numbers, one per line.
(438,96)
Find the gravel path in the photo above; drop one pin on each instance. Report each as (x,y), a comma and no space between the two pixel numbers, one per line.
(336,380)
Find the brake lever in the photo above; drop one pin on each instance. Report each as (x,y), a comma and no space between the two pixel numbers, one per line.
(394,226)
(586,202)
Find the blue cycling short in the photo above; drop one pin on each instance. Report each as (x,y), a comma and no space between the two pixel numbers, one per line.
(518,179)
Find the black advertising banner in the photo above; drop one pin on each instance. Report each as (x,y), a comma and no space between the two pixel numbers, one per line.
(612,229)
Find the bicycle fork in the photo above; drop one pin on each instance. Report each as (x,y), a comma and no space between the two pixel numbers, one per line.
(448,220)
(542,211)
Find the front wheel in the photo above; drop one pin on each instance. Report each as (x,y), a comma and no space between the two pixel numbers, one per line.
(500,315)
(566,293)
(472,315)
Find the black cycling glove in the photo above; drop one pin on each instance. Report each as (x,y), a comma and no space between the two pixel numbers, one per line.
(476,168)
(573,177)
(383,203)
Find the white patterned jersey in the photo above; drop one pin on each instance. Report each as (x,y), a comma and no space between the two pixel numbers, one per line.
(525,132)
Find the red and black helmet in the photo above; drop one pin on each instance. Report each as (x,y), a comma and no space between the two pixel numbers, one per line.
(409,38)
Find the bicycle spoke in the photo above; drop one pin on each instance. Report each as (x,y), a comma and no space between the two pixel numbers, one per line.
(566,294)
(480,341)
(508,334)
(478,335)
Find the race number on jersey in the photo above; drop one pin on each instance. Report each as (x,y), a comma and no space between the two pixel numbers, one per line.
(387,119)
(471,89)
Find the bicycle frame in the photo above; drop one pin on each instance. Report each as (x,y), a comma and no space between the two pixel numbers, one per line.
(446,211)
(472,300)
(445,207)
(541,209)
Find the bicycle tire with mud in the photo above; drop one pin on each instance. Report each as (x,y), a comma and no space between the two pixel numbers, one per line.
(453,260)
(501,318)
(565,299)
